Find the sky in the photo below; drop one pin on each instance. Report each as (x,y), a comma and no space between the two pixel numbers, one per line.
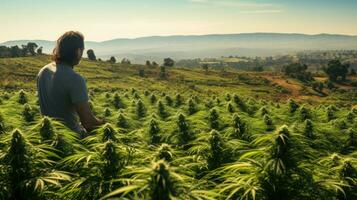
(101,20)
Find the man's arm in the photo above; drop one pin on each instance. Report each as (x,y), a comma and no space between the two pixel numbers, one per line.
(79,98)
(88,120)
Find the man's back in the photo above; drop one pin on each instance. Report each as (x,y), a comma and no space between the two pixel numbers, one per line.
(59,89)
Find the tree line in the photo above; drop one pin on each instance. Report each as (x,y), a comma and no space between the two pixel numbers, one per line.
(91,56)
(335,70)
(163,74)
(29,49)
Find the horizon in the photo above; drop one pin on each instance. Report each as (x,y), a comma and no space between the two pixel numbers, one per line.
(188,35)
(110,19)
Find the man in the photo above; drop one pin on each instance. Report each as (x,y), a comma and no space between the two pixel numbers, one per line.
(62,92)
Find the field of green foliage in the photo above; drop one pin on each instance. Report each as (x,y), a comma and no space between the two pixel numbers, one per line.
(166,145)
(193,135)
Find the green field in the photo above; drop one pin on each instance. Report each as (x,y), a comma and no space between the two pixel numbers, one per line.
(193,135)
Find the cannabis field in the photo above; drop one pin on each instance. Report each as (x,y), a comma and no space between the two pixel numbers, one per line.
(161,144)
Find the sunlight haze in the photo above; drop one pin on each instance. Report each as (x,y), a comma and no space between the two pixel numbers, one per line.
(110,19)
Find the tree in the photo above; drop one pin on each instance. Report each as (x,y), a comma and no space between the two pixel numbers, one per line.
(336,69)
(25,50)
(4,52)
(154,64)
(15,51)
(141,72)
(294,68)
(168,62)
(112,59)
(91,55)
(31,46)
(298,71)
(148,63)
(125,61)
(330,85)
(258,69)
(39,51)
(205,67)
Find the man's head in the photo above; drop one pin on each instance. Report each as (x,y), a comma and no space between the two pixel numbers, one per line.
(69,48)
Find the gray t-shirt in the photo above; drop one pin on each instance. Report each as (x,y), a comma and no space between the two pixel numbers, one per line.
(59,89)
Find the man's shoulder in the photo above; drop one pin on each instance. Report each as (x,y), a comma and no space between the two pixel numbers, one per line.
(64,72)
(75,78)
(66,69)
(48,67)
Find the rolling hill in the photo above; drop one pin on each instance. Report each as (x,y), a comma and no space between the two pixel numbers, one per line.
(20,73)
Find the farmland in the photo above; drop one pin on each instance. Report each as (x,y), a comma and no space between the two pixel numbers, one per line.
(193,135)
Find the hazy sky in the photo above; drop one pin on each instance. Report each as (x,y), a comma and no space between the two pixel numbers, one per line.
(108,19)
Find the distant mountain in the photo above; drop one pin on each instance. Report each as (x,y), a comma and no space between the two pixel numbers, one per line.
(195,46)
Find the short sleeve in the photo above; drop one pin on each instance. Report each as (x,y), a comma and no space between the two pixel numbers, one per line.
(78,90)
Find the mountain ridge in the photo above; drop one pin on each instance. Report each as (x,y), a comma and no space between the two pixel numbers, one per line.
(191,35)
(211,45)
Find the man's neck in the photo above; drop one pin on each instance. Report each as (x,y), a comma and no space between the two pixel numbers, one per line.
(66,64)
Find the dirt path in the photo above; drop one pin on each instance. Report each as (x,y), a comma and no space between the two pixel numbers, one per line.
(288,84)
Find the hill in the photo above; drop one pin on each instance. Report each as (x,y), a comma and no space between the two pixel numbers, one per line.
(20,73)
(195,46)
